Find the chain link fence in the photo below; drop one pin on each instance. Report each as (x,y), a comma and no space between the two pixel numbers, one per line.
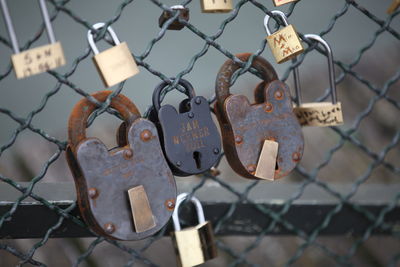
(347,143)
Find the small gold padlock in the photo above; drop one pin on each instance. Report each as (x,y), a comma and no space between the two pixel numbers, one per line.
(115,64)
(35,60)
(285,43)
(193,245)
(216,6)
(319,113)
(282,2)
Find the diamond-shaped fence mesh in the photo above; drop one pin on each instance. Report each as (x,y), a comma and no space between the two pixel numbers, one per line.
(362,153)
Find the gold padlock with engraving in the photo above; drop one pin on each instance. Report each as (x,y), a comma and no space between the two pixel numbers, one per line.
(283,2)
(216,6)
(319,113)
(35,60)
(284,43)
(194,245)
(115,64)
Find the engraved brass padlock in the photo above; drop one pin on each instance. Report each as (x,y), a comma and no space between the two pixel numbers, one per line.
(216,6)
(285,43)
(193,245)
(35,60)
(319,113)
(190,139)
(176,24)
(283,2)
(261,140)
(115,64)
(127,193)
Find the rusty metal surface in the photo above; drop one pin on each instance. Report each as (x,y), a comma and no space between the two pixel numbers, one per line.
(103,178)
(175,25)
(246,126)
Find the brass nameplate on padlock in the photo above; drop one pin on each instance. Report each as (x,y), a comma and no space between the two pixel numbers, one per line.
(142,215)
(115,64)
(267,161)
(195,245)
(285,44)
(216,6)
(282,2)
(319,114)
(38,60)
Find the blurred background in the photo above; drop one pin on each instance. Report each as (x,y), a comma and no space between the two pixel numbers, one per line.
(368,73)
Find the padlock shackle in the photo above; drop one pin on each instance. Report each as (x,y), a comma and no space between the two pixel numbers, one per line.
(177,7)
(157,92)
(90,38)
(199,209)
(278,13)
(331,70)
(223,81)
(80,113)
(11,30)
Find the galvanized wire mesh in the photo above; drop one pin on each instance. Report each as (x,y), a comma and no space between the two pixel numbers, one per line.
(309,177)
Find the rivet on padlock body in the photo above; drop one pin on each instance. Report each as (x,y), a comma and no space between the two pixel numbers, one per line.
(193,245)
(115,64)
(216,6)
(35,60)
(175,25)
(319,113)
(129,192)
(248,128)
(283,2)
(285,43)
(190,138)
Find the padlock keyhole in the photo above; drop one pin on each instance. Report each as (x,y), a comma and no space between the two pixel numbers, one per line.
(276,166)
(197,159)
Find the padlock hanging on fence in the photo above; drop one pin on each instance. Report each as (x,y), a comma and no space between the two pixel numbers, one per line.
(126,193)
(175,25)
(35,60)
(262,140)
(216,6)
(193,245)
(190,138)
(115,64)
(318,113)
(284,43)
(283,2)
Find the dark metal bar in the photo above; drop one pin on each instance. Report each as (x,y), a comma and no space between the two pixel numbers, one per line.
(32,219)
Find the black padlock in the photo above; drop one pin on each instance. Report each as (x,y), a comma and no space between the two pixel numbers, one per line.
(190,139)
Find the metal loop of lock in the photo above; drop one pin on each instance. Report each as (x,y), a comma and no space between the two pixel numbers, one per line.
(190,138)
(176,24)
(194,245)
(128,192)
(199,210)
(97,26)
(189,90)
(115,64)
(261,140)
(284,43)
(321,113)
(45,57)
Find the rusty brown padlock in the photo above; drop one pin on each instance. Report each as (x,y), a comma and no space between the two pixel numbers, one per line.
(176,24)
(261,140)
(129,192)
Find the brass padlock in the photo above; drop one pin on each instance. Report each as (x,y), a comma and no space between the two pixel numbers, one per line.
(176,24)
(216,6)
(35,60)
(115,64)
(283,2)
(319,113)
(194,245)
(285,43)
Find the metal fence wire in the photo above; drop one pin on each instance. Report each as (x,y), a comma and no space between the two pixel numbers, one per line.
(376,220)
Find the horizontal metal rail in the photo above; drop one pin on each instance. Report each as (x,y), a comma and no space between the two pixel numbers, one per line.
(32,219)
